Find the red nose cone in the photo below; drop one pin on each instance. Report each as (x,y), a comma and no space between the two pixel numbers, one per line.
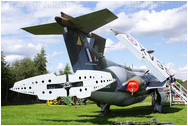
(133,86)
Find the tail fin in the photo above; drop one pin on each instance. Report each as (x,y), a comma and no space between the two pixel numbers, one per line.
(76,43)
(82,54)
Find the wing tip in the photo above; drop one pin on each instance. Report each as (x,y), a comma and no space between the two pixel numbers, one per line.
(116,32)
(45,29)
(115,16)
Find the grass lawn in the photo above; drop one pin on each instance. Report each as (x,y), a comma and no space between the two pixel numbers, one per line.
(41,114)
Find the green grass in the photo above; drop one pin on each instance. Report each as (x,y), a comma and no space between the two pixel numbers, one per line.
(41,114)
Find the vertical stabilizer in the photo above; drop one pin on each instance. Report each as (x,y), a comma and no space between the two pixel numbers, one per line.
(79,50)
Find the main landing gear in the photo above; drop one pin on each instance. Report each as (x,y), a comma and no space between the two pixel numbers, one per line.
(158,98)
(105,108)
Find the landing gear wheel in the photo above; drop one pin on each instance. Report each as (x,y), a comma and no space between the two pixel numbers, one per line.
(157,107)
(156,102)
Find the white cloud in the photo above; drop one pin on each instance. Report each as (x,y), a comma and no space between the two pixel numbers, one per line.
(171,24)
(180,72)
(57,53)
(175,39)
(110,5)
(13,18)
(60,66)
(52,68)
(143,67)
(165,22)
(16,15)
(54,54)
(148,4)
(11,58)
(48,39)
(109,46)
(112,46)
(113,5)
(50,9)
(18,46)
(171,68)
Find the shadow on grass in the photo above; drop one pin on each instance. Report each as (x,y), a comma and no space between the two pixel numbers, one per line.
(103,119)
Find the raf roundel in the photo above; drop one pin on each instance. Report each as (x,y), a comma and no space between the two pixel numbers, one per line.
(132,40)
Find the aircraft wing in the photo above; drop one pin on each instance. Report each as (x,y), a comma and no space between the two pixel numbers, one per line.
(49,86)
(145,56)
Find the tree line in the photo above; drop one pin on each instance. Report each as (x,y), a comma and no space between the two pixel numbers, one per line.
(19,70)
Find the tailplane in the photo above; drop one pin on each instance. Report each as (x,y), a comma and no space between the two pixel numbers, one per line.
(83,55)
(85,23)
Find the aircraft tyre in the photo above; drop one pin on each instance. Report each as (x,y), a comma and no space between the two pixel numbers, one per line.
(157,107)
(156,101)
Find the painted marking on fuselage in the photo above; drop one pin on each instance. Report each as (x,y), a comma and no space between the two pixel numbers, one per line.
(89,55)
(79,41)
(91,64)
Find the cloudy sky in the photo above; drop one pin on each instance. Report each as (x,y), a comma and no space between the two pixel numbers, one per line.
(159,26)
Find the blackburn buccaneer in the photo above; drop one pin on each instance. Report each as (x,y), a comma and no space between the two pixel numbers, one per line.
(101,80)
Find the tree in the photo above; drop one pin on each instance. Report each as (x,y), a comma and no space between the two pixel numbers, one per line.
(67,69)
(61,72)
(184,84)
(5,78)
(40,61)
(23,69)
(179,81)
(19,70)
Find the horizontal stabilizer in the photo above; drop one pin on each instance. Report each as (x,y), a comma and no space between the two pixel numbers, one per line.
(45,29)
(85,23)
(92,21)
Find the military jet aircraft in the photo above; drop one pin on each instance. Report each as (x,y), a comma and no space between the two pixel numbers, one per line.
(101,80)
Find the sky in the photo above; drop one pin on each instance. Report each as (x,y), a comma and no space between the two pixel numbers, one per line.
(159,26)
